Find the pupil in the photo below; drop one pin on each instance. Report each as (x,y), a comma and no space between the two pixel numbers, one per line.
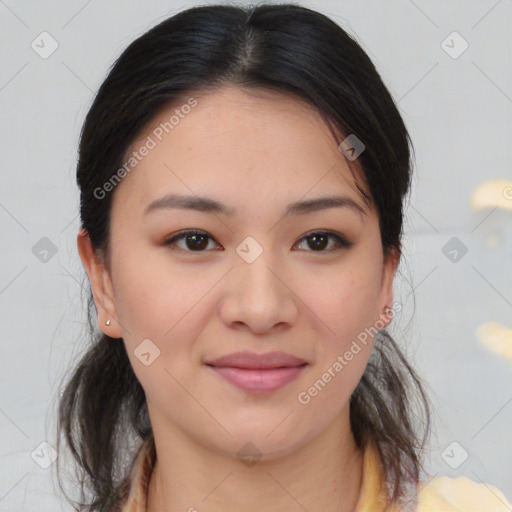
(198,242)
(316,238)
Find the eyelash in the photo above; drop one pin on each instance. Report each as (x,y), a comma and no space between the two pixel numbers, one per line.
(343,243)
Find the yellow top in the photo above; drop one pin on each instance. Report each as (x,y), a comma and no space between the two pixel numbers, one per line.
(440,494)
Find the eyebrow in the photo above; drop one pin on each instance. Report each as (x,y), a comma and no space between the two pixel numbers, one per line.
(208,205)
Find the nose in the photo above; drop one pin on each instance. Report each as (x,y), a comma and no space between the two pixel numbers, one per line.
(258,296)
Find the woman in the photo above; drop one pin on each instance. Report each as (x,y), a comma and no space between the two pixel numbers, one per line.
(242,172)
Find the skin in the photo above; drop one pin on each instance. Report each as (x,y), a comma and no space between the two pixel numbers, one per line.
(255,152)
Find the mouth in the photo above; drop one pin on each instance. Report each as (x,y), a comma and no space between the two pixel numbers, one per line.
(258,372)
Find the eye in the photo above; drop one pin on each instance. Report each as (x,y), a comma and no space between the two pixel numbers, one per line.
(319,240)
(195,241)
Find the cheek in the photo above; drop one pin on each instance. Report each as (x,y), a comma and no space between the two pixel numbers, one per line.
(345,299)
(162,303)
(346,307)
(155,302)
(151,294)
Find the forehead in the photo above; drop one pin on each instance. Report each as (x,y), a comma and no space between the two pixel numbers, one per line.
(261,144)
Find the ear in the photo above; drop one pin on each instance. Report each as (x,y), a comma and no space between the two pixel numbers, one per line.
(101,284)
(391,262)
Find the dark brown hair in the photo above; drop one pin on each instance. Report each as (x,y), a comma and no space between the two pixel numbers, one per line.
(286,48)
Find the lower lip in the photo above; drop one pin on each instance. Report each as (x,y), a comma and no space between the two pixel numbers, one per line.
(259,380)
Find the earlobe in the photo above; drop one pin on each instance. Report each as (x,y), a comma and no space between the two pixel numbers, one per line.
(101,286)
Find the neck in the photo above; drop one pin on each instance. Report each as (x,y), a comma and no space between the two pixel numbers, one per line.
(322,475)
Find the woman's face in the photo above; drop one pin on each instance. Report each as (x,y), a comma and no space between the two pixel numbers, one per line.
(255,279)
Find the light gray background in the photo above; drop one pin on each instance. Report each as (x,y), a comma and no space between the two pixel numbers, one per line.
(459,113)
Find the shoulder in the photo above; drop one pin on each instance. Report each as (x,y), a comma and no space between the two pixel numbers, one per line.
(460,494)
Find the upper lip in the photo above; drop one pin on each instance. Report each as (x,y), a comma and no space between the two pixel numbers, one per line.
(251,360)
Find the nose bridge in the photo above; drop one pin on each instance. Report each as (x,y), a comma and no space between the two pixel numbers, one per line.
(256,275)
(257,296)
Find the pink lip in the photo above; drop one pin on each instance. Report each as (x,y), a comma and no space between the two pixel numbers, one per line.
(258,372)
(259,380)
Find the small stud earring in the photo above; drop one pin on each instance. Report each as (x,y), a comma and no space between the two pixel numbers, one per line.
(107,322)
